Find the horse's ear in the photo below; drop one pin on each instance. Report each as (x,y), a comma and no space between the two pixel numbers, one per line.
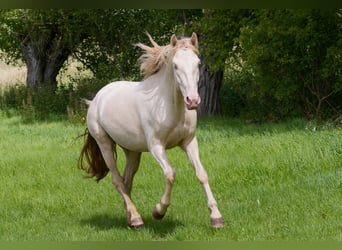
(173,40)
(194,40)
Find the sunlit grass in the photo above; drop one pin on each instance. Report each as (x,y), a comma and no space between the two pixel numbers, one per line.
(272,182)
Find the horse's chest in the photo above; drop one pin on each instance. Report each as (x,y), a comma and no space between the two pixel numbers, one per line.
(172,130)
(178,134)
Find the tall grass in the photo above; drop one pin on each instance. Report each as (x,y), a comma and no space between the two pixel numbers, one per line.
(48,102)
(272,182)
(11,74)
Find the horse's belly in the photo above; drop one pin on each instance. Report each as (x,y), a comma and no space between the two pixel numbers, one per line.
(131,141)
(126,132)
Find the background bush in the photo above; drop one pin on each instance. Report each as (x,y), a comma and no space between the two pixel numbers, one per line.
(47,102)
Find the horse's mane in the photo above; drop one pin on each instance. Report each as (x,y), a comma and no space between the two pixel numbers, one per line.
(155,57)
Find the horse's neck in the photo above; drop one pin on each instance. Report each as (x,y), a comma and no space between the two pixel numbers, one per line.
(165,91)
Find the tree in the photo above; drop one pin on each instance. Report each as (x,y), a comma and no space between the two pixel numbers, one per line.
(218,30)
(292,60)
(43,39)
(115,51)
(102,39)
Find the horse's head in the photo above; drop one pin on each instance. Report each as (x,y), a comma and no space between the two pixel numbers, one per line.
(186,69)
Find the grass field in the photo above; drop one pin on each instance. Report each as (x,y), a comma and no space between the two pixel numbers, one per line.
(272,182)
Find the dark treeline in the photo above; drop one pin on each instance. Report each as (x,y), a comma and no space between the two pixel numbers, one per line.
(260,64)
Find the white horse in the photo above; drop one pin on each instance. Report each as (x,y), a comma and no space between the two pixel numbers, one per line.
(153,115)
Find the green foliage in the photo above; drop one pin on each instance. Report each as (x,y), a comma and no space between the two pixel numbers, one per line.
(69,27)
(119,30)
(217,30)
(292,60)
(103,39)
(277,63)
(48,102)
(232,103)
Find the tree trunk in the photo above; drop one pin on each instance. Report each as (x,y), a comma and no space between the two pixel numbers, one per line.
(44,58)
(209,87)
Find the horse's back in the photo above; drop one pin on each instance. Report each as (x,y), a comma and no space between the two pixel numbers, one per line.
(114,99)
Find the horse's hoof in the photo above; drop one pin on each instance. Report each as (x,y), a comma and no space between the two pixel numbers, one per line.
(136,223)
(217,222)
(156,215)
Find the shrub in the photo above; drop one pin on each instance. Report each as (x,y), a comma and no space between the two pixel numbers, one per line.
(47,102)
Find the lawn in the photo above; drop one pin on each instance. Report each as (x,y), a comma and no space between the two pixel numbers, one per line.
(271,181)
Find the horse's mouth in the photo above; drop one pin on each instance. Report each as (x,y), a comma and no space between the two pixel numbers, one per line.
(191,106)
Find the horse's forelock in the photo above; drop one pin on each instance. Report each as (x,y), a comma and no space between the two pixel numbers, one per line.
(155,57)
(185,43)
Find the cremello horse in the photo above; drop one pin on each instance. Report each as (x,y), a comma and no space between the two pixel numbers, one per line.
(153,115)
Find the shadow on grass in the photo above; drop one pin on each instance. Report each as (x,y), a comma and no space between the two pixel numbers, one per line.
(159,229)
(104,222)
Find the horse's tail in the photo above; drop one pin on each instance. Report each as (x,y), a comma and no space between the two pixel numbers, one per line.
(96,165)
(85,101)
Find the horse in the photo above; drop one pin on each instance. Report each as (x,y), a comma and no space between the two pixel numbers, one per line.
(153,115)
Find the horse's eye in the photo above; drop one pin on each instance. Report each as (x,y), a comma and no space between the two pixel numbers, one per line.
(175,65)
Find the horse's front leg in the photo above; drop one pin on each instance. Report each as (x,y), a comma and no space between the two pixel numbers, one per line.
(158,152)
(191,149)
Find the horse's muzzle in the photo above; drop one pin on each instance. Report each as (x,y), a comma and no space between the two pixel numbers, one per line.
(192,102)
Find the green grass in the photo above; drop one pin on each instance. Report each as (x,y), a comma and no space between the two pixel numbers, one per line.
(272,182)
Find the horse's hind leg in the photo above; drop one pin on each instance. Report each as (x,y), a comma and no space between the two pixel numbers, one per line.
(107,147)
(132,165)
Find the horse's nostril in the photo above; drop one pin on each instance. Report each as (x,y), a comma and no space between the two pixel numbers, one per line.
(192,103)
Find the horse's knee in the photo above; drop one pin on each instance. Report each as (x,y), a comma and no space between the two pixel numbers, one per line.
(118,182)
(202,177)
(170,176)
